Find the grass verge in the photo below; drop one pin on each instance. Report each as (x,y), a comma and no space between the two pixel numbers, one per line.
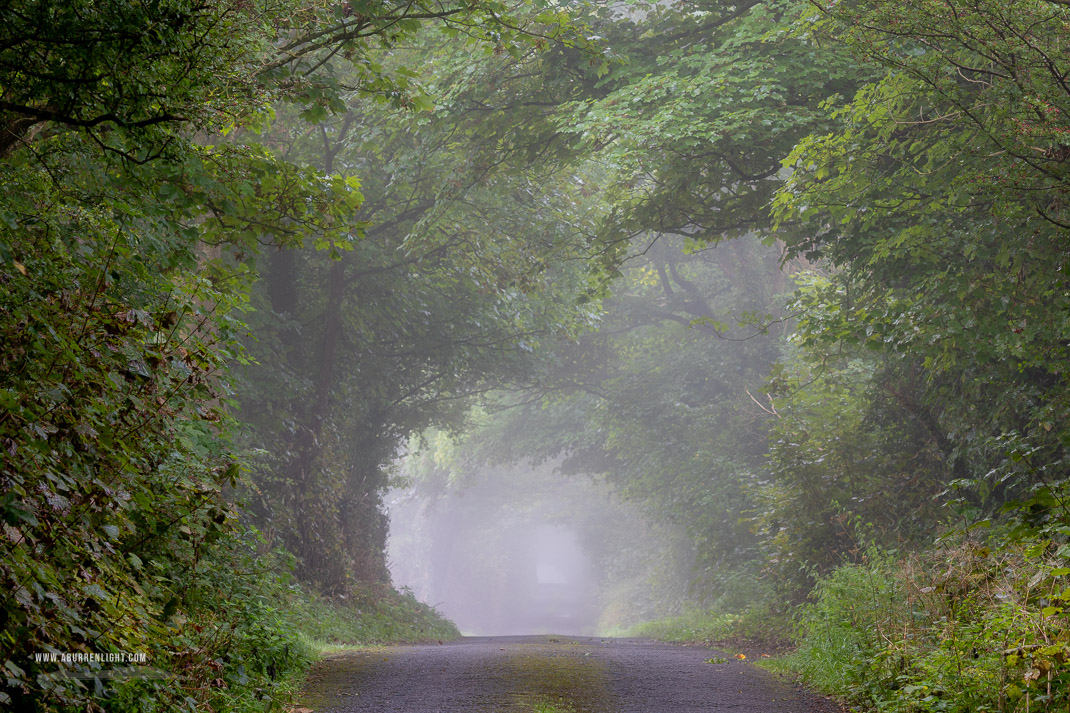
(371,614)
(757,630)
(308,627)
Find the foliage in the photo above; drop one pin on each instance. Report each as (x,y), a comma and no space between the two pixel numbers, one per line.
(703,102)
(233,646)
(900,166)
(112,456)
(856,455)
(192,65)
(690,120)
(118,319)
(757,628)
(747,615)
(696,625)
(655,400)
(135,78)
(927,364)
(941,180)
(841,631)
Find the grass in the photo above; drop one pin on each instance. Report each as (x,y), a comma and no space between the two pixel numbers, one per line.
(552,707)
(758,629)
(840,631)
(370,615)
(696,625)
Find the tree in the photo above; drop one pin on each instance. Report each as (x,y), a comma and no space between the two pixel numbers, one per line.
(462,271)
(698,111)
(939,197)
(857,458)
(655,401)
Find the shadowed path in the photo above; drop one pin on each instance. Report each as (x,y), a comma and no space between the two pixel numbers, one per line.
(549,674)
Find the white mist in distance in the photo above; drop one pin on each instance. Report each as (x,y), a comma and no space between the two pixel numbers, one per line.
(527,551)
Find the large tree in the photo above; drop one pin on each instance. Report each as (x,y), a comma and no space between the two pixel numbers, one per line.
(473,254)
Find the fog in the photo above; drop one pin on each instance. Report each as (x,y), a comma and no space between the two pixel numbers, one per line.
(527,551)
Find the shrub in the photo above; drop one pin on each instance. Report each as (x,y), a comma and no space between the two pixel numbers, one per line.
(964,629)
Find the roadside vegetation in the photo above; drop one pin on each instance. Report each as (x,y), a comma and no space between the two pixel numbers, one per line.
(370,615)
(758,631)
(959,628)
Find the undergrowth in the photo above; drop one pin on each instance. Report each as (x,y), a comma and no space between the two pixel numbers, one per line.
(965,629)
(249,633)
(226,642)
(742,611)
(691,626)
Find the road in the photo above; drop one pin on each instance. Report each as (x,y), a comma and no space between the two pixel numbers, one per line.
(550,674)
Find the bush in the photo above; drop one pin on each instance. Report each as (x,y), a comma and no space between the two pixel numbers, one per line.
(233,645)
(840,632)
(744,613)
(964,629)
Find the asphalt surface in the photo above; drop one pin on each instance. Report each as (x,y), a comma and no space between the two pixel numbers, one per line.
(550,674)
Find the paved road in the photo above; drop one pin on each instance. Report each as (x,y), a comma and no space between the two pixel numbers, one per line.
(549,674)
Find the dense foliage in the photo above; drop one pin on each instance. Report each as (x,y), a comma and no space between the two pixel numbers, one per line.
(118,322)
(939,195)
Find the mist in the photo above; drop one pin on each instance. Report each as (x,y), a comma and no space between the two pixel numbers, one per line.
(527,550)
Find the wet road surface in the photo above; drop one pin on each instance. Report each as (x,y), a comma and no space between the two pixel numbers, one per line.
(550,674)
